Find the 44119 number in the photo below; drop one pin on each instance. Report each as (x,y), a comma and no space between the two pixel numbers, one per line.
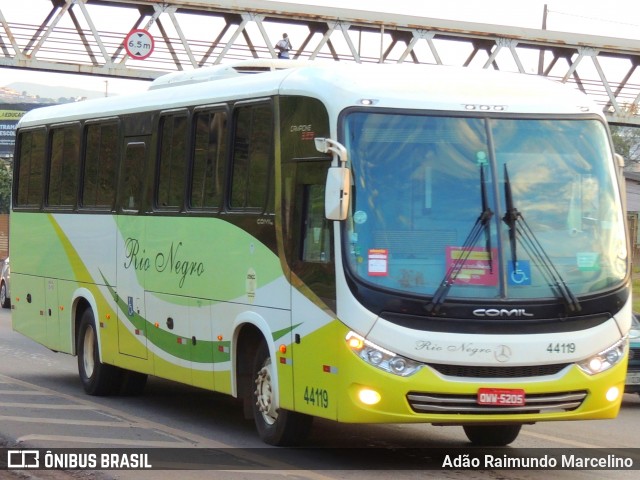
(561,347)
(318,397)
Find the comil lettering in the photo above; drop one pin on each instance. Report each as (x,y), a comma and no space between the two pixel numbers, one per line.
(300,128)
(502,312)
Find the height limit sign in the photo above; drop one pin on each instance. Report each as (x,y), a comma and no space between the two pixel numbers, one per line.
(139,44)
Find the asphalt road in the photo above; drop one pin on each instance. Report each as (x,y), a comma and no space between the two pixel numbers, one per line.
(42,405)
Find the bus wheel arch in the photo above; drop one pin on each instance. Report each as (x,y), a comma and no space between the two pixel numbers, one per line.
(79,306)
(117,380)
(97,378)
(257,386)
(246,342)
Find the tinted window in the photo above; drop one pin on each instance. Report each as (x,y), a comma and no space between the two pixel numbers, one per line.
(209,156)
(63,170)
(173,154)
(251,156)
(132,176)
(101,156)
(30,167)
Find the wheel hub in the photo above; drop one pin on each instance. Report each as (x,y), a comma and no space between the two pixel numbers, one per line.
(264,395)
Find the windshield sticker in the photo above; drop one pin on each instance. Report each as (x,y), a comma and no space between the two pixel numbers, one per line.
(477,269)
(521,274)
(588,261)
(360,217)
(378,264)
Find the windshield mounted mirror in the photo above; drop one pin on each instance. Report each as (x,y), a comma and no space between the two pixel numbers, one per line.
(338,187)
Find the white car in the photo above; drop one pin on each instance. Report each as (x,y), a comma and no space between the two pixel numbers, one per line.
(5,293)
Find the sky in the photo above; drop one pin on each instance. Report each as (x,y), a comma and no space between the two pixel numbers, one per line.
(615,18)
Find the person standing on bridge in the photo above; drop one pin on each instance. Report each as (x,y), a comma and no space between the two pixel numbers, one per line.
(283,46)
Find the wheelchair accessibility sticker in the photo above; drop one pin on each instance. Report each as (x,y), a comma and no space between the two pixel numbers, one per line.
(521,274)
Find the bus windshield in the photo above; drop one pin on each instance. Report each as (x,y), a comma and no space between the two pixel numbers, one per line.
(483,208)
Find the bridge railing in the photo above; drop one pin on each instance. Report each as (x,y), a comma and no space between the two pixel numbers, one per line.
(87,36)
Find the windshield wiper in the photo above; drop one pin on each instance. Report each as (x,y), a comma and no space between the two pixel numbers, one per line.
(483,223)
(519,230)
(510,217)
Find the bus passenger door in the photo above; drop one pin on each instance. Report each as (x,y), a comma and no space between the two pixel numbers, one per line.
(311,257)
(131,259)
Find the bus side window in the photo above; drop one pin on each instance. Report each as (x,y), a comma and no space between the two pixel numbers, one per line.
(64,166)
(316,237)
(172,165)
(101,156)
(30,168)
(131,178)
(207,176)
(251,170)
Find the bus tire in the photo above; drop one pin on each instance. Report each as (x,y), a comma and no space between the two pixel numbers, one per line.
(275,426)
(492,435)
(5,302)
(97,378)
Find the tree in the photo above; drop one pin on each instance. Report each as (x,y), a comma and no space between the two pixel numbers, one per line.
(626,142)
(5,187)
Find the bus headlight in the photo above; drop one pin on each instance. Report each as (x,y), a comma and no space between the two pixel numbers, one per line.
(604,360)
(381,357)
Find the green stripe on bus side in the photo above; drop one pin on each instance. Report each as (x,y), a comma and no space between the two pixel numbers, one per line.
(205,351)
(167,341)
(281,333)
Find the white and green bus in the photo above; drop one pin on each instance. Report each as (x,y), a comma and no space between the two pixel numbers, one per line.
(362,243)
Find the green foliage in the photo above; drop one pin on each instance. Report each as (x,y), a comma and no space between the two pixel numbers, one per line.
(5,187)
(626,142)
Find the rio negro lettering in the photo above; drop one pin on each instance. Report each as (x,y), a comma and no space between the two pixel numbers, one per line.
(169,261)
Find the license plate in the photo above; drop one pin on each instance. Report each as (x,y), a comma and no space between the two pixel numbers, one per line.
(633,378)
(501,396)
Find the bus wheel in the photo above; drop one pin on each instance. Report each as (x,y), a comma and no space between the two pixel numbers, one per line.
(5,302)
(275,426)
(492,435)
(97,378)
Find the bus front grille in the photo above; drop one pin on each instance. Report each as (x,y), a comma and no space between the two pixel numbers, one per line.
(422,402)
(470,371)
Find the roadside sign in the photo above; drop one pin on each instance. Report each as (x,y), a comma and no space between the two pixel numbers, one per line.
(139,44)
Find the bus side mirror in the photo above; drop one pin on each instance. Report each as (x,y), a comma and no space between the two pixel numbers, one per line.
(337,192)
(620,163)
(621,179)
(338,186)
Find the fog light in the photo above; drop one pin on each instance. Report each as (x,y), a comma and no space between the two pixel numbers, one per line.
(368,396)
(613,393)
